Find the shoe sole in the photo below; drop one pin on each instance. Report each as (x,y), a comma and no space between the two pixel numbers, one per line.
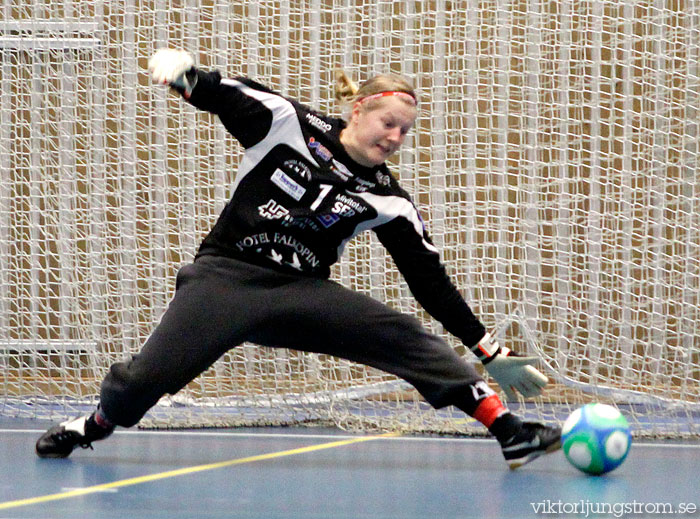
(514,464)
(51,455)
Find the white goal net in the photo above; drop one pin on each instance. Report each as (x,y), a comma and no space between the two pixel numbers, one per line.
(555,161)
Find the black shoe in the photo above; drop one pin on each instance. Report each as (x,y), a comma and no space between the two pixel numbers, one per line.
(60,440)
(533,440)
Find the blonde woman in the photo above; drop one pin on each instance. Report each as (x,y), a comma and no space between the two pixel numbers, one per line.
(306,185)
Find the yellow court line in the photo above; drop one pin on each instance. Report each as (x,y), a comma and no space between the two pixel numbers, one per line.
(188,470)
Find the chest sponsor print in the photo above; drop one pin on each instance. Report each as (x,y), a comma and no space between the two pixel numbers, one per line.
(288,184)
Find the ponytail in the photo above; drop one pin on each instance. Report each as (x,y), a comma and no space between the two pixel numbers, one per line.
(345,89)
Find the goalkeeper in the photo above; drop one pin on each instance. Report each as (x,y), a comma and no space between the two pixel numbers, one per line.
(308,184)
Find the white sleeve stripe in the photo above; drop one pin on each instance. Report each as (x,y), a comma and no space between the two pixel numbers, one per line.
(285,129)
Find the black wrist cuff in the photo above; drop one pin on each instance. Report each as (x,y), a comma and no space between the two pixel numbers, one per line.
(485,360)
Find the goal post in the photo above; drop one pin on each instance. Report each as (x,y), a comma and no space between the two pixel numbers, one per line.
(554,160)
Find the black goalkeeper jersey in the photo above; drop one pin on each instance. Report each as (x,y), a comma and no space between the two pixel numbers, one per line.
(298,199)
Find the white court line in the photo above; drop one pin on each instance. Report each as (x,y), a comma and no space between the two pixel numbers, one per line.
(637,443)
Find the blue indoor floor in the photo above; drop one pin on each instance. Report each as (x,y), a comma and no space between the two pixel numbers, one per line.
(323,473)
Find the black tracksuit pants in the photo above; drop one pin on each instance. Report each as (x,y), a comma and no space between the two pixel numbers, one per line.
(221,302)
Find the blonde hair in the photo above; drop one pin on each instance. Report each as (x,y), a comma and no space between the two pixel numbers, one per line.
(348,93)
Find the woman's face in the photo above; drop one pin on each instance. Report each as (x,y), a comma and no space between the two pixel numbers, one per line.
(376,132)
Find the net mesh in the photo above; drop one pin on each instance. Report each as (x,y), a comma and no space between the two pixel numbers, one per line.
(554,160)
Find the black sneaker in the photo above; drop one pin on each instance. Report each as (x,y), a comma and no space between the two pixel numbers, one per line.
(60,440)
(533,440)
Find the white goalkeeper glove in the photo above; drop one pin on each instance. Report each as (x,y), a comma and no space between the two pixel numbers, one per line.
(174,68)
(513,372)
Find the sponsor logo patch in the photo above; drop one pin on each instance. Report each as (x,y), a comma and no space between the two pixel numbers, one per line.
(298,167)
(288,184)
(363,185)
(328,219)
(320,150)
(272,210)
(383,179)
(319,123)
(340,170)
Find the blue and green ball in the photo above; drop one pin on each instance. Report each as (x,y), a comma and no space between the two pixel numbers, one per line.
(596,438)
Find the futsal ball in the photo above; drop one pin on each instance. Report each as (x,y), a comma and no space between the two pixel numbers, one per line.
(596,438)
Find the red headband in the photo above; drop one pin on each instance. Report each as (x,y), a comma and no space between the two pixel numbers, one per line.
(390,93)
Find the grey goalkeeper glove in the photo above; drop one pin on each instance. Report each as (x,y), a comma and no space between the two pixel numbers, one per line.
(512,371)
(174,68)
